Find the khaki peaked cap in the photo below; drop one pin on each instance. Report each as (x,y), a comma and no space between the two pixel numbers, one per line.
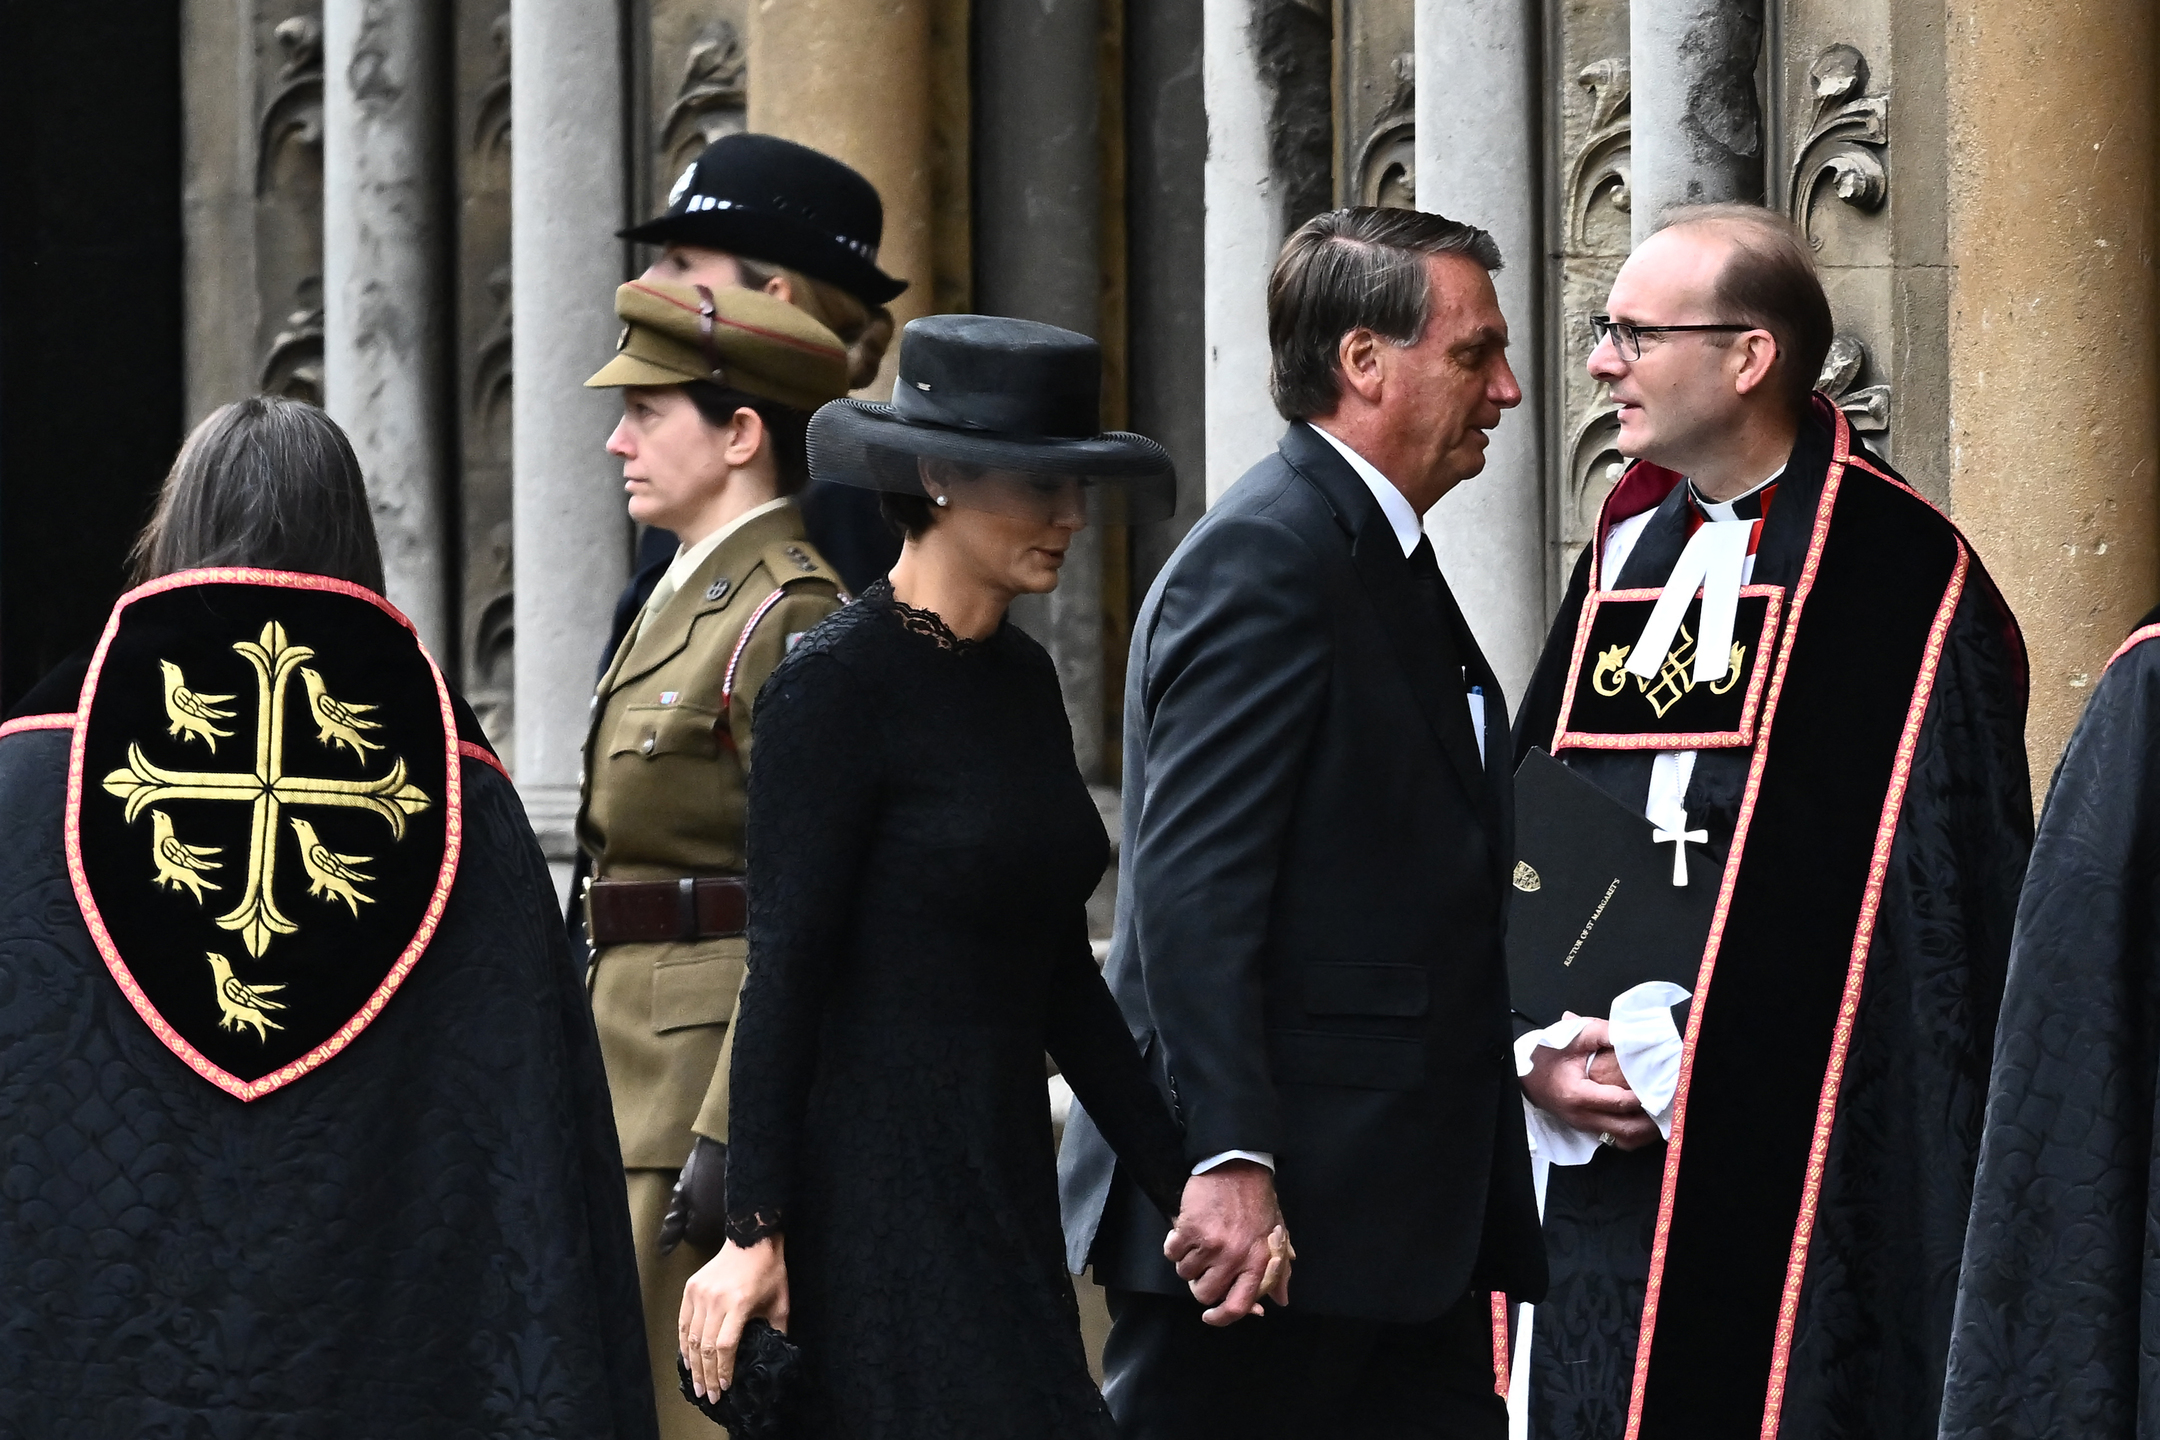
(740,339)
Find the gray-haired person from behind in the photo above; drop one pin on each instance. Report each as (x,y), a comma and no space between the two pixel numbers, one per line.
(1315,853)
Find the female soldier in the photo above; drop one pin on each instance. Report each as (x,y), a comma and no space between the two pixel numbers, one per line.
(767,214)
(717,389)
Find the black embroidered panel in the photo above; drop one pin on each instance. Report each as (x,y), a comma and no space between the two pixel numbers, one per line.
(1608,708)
(262,832)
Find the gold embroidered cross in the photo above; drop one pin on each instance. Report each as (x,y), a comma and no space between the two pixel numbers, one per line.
(267,788)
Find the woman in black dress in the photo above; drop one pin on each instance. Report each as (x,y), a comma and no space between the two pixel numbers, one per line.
(918,936)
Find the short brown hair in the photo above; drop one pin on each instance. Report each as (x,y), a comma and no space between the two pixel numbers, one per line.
(1769,281)
(264,482)
(1357,269)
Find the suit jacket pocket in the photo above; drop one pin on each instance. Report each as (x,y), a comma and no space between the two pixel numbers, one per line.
(699,988)
(1363,1062)
(1344,988)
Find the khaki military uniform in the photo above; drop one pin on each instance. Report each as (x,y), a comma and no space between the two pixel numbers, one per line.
(664,798)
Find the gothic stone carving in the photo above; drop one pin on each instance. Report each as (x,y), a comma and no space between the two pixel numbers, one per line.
(288,211)
(1847,143)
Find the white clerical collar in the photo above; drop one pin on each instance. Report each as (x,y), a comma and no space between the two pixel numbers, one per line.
(688,558)
(1393,504)
(1723,509)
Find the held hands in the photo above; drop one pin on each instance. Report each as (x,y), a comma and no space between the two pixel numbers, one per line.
(1582,1086)
(1229,1242)
(735,1287)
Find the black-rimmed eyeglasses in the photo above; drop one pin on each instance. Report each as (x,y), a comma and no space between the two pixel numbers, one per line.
(1627,339)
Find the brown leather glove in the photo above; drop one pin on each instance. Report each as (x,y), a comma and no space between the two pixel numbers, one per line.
(697,1211)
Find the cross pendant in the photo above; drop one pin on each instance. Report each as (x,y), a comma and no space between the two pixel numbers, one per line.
(1679,839)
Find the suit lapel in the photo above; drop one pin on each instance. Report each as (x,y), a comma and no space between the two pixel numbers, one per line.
(1431,661)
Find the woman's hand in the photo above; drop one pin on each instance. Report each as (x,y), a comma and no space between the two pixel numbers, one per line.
(735,1287)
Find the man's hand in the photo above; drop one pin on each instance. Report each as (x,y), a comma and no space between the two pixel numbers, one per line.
(1582,1086)
(1229,1243)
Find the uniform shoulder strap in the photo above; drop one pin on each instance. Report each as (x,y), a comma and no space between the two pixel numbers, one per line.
(792,562)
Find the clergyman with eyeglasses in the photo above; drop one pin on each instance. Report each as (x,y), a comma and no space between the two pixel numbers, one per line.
(1755,1186)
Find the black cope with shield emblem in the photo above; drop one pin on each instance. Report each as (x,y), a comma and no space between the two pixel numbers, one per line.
(1609,707)
(263,815)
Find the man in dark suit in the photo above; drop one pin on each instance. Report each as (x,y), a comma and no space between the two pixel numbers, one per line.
(1316,847)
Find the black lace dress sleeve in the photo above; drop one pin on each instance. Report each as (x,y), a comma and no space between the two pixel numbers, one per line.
(1098,1058)
(812,802)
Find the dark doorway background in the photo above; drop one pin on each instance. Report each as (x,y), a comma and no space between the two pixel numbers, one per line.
(91,404)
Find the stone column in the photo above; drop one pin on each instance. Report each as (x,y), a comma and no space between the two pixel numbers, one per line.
(1166,142)
(569,536)
(386,310)
(1698,126)
(2054,369)
(852,78)
(1037,244)
(1244,229)
(1477,160)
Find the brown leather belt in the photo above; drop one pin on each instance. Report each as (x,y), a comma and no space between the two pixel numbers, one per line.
(649,912)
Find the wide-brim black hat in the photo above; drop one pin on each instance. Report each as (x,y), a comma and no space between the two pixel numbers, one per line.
(769,199)
(994,394)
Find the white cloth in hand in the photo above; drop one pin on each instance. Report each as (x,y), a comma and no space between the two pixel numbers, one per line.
(1646,1044)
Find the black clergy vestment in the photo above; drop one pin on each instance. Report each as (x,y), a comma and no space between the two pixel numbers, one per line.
(1785,1264)
(2055,1303)
(417,1227)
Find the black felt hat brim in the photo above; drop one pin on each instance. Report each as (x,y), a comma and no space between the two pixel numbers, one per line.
(868,445)
(777,240)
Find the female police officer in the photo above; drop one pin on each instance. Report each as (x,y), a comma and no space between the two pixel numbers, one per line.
(717,388)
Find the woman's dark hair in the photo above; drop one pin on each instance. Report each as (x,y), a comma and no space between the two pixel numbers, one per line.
(909,515)
(268,483)
(1357,269)
(788,427)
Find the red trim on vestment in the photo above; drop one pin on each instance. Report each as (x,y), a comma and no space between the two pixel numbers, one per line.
(453,832)
(61,721)
(1500,1344)
(485,756)
(1855,973)
(2137,638)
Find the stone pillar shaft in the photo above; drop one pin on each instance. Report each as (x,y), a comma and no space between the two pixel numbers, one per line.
(1477,161)
(852,78)
(1698,124)
(385,283)
(1037,246)
(2054,366)
(569,536)
(1244,229)
(1165,220)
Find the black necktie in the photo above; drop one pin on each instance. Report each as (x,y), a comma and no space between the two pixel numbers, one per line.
(1425,581)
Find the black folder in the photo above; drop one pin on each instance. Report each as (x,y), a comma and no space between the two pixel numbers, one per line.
(1595,911)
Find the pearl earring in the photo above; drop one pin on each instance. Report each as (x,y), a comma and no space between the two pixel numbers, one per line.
(944,500)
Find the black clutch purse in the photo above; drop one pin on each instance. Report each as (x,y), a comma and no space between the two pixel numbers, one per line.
(765,1402)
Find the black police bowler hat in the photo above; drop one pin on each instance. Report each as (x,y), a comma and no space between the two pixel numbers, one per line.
(769,199)
(996,393)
